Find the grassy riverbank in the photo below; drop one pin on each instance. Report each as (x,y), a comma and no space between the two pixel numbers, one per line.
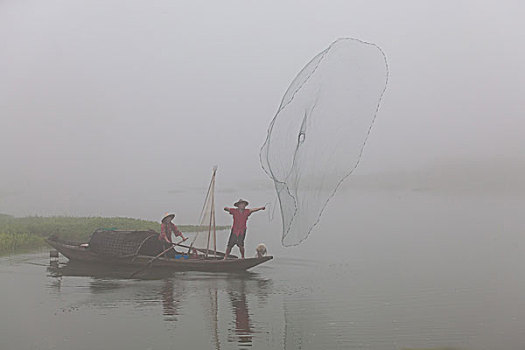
(19,234)
(18,242)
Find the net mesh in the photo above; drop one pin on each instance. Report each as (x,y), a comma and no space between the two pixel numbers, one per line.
(120,243)
(317,137)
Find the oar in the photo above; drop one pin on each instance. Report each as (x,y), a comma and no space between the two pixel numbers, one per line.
(148,265)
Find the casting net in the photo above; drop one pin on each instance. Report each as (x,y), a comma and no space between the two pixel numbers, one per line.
(317,137)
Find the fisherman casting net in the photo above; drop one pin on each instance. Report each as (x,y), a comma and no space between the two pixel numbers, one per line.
(317,137)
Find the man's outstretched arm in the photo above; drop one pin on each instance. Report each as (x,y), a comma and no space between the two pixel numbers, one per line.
(257,209)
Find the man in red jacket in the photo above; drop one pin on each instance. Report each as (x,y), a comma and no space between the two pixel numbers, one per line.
(240,216)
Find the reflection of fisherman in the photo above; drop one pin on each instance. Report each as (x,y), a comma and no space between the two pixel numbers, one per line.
(168,303)
(167,228)
(171,298)
(240,217)
(243,326)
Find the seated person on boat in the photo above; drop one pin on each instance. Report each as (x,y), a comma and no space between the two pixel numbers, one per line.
(167,228)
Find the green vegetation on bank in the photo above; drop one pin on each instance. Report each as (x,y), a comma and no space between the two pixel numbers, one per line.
(17,242)
(27,232)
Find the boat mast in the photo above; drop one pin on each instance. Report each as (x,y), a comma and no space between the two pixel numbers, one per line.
(213,214)
(208,208)
(211,225)
(214,229)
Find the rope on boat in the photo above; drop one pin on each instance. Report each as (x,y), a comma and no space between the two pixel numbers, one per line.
(141,244)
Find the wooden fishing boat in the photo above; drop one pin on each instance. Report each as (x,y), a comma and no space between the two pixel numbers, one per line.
(144,250)
(82,252)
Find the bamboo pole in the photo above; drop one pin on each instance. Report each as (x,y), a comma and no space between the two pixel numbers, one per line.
(213,213)
(209,233)
(212,193)
(214,227)
(201,218)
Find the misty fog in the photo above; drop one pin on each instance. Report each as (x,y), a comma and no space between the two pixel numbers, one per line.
(123,107)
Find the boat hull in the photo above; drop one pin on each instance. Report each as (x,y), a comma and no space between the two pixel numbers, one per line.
(77,253)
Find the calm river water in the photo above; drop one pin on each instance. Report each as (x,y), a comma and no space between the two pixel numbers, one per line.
(417,271)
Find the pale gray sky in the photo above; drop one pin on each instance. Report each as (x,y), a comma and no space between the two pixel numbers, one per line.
(105,106)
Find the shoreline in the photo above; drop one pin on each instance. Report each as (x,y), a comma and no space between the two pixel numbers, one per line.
(22,234)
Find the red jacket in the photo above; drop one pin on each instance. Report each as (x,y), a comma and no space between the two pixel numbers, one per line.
(239,220)
(166,229)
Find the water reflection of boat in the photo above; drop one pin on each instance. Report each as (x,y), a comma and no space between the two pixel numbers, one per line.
(225,301)
(82,269)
